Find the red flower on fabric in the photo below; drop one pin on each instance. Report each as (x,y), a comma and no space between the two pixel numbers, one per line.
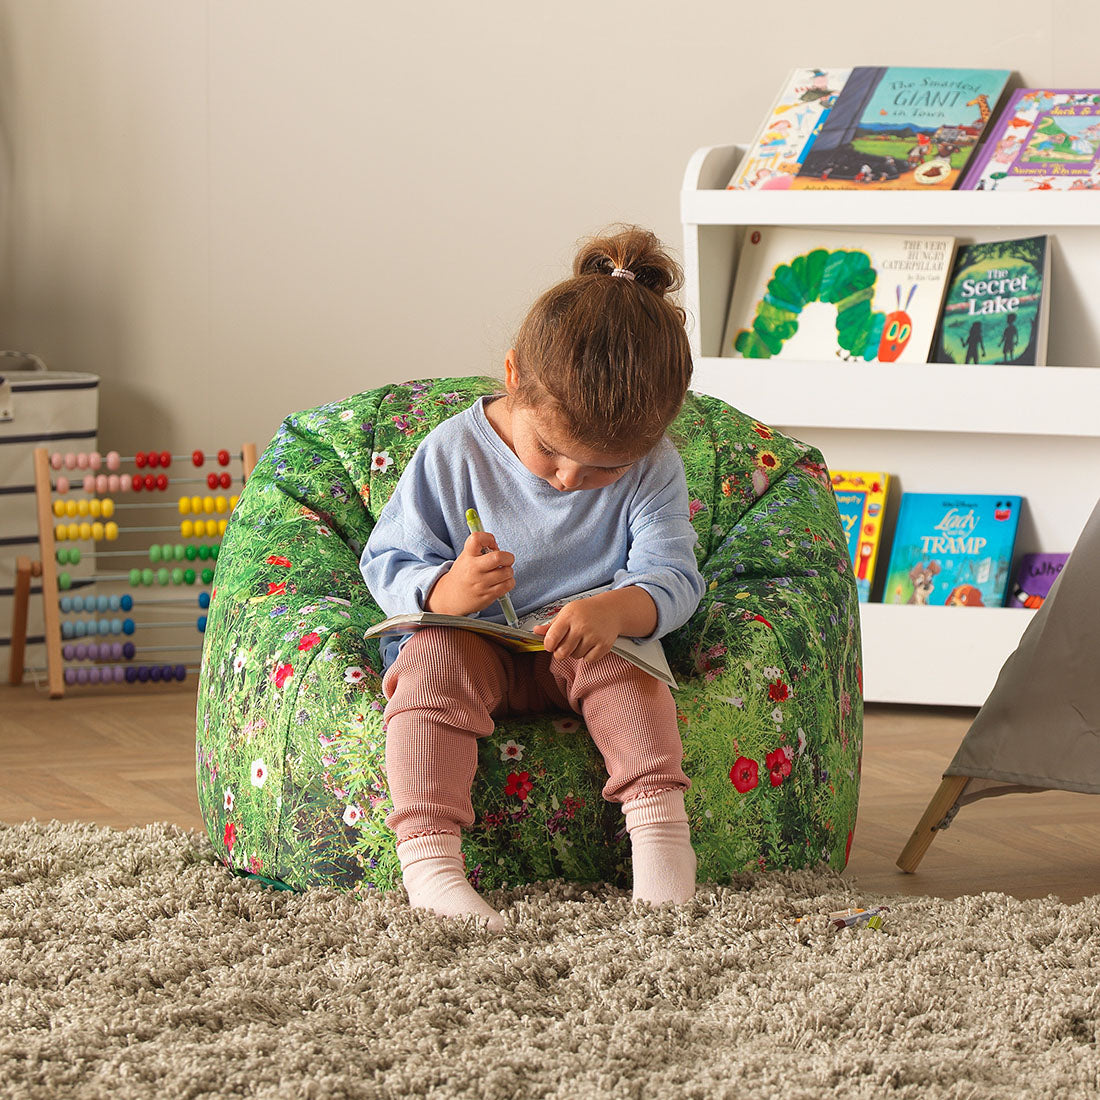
(744,774)
(275,559)
(761,619)
(230,836)
(274,589)
(779,765)
(761,431)
(309,641)
(282,674)
(778,691)
(519,784)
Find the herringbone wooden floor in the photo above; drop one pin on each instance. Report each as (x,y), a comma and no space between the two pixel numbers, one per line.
(123,757)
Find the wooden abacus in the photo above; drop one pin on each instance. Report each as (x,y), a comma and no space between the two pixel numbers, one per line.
(71,511)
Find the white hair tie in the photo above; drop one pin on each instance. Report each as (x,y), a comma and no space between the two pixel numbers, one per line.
(622,273)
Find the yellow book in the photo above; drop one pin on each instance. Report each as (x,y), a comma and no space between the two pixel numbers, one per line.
(861,499)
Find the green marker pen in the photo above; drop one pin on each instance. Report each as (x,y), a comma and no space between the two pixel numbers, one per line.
(473,521)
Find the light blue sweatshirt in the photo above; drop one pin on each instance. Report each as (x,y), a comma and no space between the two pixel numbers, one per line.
(633,531)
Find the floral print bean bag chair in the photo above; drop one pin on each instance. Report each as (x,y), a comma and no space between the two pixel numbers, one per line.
(290,749)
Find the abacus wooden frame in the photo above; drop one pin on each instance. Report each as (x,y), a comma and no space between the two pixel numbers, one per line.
(46,568)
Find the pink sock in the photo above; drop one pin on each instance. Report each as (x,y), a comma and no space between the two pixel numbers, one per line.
(431,869)
(660,842)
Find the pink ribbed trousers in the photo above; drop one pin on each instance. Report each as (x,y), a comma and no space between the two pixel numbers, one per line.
(447,686)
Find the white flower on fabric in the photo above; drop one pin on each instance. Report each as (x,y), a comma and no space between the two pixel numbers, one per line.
(228,803)
(380,461)
(352,814)
(347,414)
(238,661)
(801,740)
(777,716)
(772,673)
(259,773)
(733,700)
(511,751)
(354,675)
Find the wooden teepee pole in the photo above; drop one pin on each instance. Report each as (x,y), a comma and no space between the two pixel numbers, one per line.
(943,802)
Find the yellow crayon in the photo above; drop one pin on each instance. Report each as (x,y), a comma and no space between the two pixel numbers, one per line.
(473,521)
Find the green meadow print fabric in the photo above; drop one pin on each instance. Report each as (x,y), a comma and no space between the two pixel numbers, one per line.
(290,745)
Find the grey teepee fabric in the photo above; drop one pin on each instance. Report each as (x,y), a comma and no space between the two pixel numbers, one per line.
(1040,726)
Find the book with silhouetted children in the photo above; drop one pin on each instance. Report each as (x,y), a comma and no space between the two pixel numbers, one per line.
(788,133)
(902,128)
(1046,139)
(997,306)
(811,294)
(861,500)
(1035,574)
(648,655)
(952,549)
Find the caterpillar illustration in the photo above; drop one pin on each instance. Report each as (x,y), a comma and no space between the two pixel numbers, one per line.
(844,278)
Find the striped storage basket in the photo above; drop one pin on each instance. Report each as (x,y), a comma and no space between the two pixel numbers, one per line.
(38,408)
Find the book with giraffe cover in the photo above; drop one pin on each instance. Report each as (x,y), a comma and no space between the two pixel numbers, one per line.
(902,128)
(1046,139)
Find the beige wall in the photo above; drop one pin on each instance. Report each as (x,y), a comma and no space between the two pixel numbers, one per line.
(232,209)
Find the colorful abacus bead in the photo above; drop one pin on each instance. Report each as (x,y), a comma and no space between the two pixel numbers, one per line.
(165,459)
(225,481)
(141,460)
(223,458)
(197,458)
(114,460)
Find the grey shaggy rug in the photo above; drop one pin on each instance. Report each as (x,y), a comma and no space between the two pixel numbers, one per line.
(133,965)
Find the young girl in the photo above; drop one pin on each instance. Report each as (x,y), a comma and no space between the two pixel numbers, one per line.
(577,487)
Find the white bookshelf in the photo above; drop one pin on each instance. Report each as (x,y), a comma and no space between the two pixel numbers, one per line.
(1028,430)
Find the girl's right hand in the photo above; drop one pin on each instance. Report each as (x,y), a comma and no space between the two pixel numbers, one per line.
(480,575)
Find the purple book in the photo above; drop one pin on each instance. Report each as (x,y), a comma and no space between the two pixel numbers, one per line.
(1035,573)
(1045,139)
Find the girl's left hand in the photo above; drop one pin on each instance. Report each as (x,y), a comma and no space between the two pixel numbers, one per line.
(586,630)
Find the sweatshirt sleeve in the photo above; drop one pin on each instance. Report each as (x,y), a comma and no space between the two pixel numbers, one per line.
(661,558)
(409,548)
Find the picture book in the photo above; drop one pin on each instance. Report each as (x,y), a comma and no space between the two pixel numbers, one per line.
(902,128)
(647,655)
(861,499)
(952,549)
(1035,573)
(997,306)
(803,293)
(1046,139)
(788,133)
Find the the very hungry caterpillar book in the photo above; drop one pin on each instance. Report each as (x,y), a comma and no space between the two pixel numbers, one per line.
(789,131)
(804,293)
(952,549)
(997,305)
(648,655)
(861,501)
(900,128)
(1046,139)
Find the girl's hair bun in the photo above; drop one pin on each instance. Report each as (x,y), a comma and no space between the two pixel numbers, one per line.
(633,249)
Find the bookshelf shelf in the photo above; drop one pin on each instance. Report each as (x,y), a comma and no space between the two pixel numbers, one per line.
(1028,430)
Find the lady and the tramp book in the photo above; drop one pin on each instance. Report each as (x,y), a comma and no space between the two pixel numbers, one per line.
(861,501)
(902,128)
(997,305)
(648,655)
(952,549)
(811,294)
(789,131)
(1046,139)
